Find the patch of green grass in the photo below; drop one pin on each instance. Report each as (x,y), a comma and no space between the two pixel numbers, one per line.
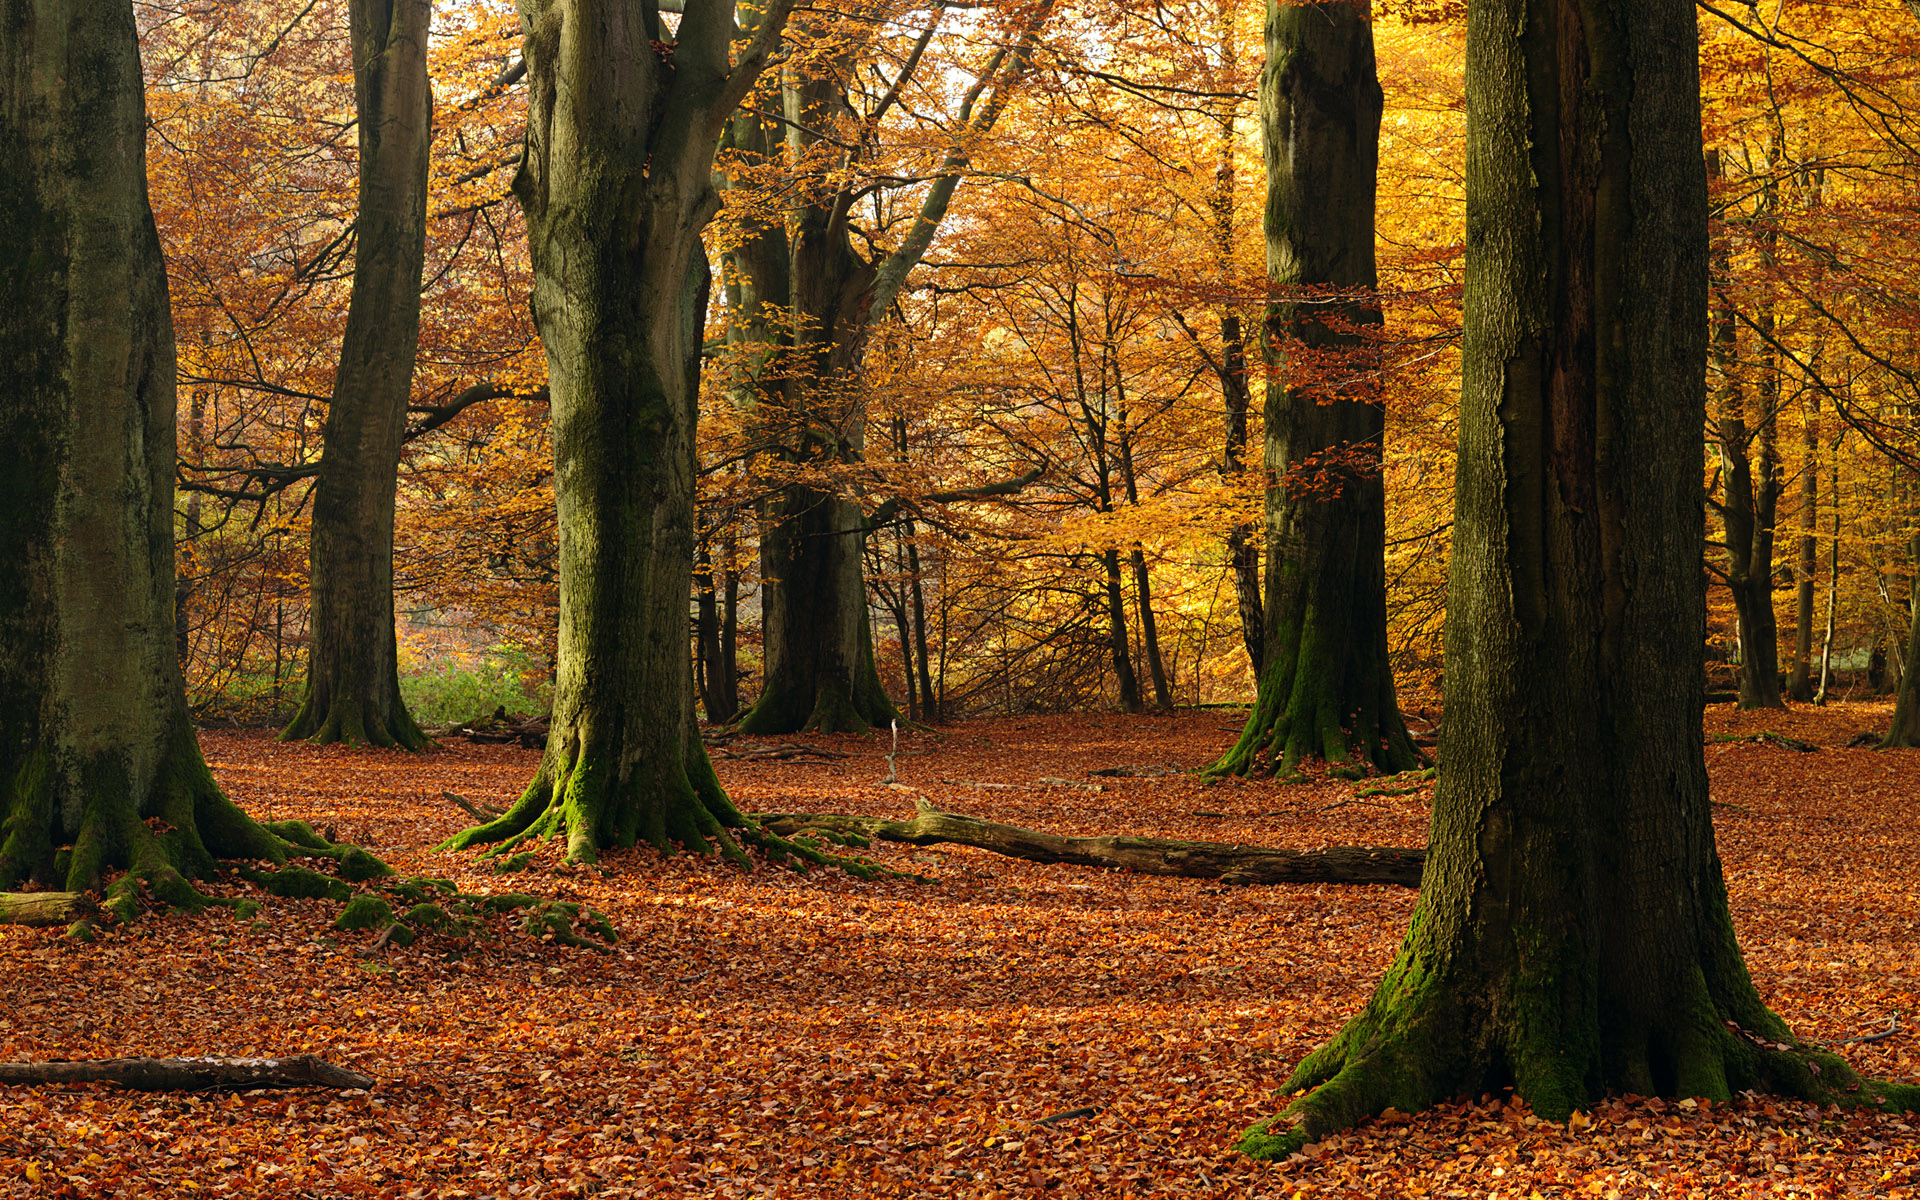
(452,694)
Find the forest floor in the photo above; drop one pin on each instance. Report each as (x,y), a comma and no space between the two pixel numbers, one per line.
(778,1034)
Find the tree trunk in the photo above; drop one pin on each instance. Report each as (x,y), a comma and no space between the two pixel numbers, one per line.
(1747,507)
(95,742)
(1800,676)
(1326,686)
(1118,643)
(615,183)
(709,638)
(1150,632)
(1573,935)
(1905,731)
(1229,862)
(353,680)
(929,702)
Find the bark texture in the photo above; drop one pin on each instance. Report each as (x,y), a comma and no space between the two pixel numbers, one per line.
(1573,934)
(1325,687)
(1399,866)
(353,681)
(616,186)
(99,768)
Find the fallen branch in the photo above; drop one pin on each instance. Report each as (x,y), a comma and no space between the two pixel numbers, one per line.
(190,1074)
(783,751)
(1229,863)
(1150,771)
(479,812)
(1892,1028)
(46,908)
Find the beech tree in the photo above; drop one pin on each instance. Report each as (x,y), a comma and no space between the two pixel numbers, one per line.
(828,294)
(353,681)
(1573,934)
(1325,685)
(625,112)
(101,767)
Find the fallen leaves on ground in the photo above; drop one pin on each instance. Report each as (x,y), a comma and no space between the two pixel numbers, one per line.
(777,1034)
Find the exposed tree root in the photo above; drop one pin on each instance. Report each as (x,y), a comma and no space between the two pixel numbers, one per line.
(1230,863)
(1299,715)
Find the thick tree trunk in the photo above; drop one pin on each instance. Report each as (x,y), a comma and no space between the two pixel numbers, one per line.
(190,1074)
(615,183)
(1326,687)
(353,681)
(1905,731)
(100,762)
(1229,862)
(1573,934)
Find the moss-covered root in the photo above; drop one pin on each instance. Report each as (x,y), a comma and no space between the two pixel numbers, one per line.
(346,721)
(684,808)
(1408,1061)
(1298,716)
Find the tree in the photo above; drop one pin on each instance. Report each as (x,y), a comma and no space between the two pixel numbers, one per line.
(820,672)
(1573,934)
(1326,687)
(99,756)
(615,181)
(1905,731)
(353,679)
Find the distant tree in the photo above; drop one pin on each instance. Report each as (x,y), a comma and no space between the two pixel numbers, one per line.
(1325,684)
(101,766)
(353,677)
(1573,934)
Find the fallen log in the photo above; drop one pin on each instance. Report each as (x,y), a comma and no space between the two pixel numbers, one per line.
(190,1074)
(1227,862)
(46,908)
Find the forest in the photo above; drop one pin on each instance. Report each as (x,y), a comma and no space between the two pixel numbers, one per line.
(959,597)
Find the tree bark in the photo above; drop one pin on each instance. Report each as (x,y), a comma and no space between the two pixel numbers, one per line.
(1229,862)
(191,1074)
(353,679)
(1119,645)
(1326,687)
(95,740)
(1905,731)
(1573,936)
(615,181)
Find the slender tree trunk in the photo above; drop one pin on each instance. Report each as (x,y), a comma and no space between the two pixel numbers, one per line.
(1905,731)
(101,766)
(1118,642)
(615,183)
(717,698)
(187,570)
(1150,633)
(1799,678)
(1243,548)
(1572,936)
(353,679)
(929,702)
(1326,686)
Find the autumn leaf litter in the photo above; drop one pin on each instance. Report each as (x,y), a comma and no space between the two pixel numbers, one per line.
(774,1034)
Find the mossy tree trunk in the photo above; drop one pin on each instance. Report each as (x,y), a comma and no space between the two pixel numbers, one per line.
(353,681)
(615,181)
(99,768)
(1325,685)
(1906,708)
(1572,935)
